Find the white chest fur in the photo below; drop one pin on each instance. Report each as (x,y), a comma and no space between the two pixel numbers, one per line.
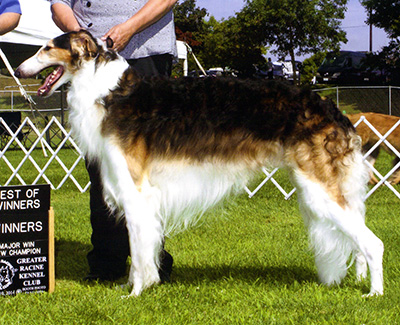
(90,84)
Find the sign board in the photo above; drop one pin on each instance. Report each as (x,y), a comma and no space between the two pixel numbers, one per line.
(26,240)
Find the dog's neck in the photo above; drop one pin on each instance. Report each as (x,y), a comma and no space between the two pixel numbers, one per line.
(90,85)
(95,80)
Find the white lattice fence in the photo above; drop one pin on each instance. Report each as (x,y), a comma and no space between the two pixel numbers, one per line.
(45,160)
(27,157)
(382,179)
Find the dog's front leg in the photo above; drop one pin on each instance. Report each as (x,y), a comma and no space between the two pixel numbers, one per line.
(145,240)
(140,206)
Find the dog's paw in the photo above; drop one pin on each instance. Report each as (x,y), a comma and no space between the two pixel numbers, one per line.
(373,294)
(128,296)
(134,293)
(127,288)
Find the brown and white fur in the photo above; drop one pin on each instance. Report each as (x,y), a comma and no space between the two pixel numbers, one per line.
(382,123)
(170,149)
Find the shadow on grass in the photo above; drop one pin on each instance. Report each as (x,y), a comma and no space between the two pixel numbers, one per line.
(71,264)
(70,257)
(273,274)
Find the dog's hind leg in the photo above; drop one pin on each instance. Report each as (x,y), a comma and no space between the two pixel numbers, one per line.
(331,247)
(333,211)
(368,244)
(361,266)
(335,233)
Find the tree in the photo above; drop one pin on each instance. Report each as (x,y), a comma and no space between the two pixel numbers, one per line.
(231,43)
(384,14)
(226,43)
(298,27)
(188,17)
(386,64)
(189,21)
(310,66)
(190,26)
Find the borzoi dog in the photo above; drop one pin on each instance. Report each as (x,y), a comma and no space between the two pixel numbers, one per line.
(170,149)
(382,123)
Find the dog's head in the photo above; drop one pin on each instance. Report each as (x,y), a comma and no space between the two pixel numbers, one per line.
(66,53)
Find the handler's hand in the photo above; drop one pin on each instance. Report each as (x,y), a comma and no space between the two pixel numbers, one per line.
(120,35)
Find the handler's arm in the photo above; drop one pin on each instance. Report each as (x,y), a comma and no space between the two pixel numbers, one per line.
(64,18)
(151,12)
(8,21)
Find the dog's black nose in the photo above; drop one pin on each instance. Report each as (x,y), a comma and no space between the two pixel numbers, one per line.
(17,73)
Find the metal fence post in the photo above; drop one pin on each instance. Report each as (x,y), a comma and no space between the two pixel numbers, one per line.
(337,96)
(390,100)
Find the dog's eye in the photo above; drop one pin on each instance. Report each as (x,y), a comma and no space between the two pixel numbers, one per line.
(47,48)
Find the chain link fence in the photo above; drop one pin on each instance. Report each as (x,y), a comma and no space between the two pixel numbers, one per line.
(384,100)
(14,110)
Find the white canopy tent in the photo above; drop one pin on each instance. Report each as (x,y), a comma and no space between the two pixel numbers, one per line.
(36,27)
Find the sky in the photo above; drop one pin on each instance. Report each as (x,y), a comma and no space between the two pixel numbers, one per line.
(353,24)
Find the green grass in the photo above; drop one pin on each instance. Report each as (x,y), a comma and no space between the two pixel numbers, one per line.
(249,263)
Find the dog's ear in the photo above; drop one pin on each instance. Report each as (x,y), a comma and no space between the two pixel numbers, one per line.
(85,45)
